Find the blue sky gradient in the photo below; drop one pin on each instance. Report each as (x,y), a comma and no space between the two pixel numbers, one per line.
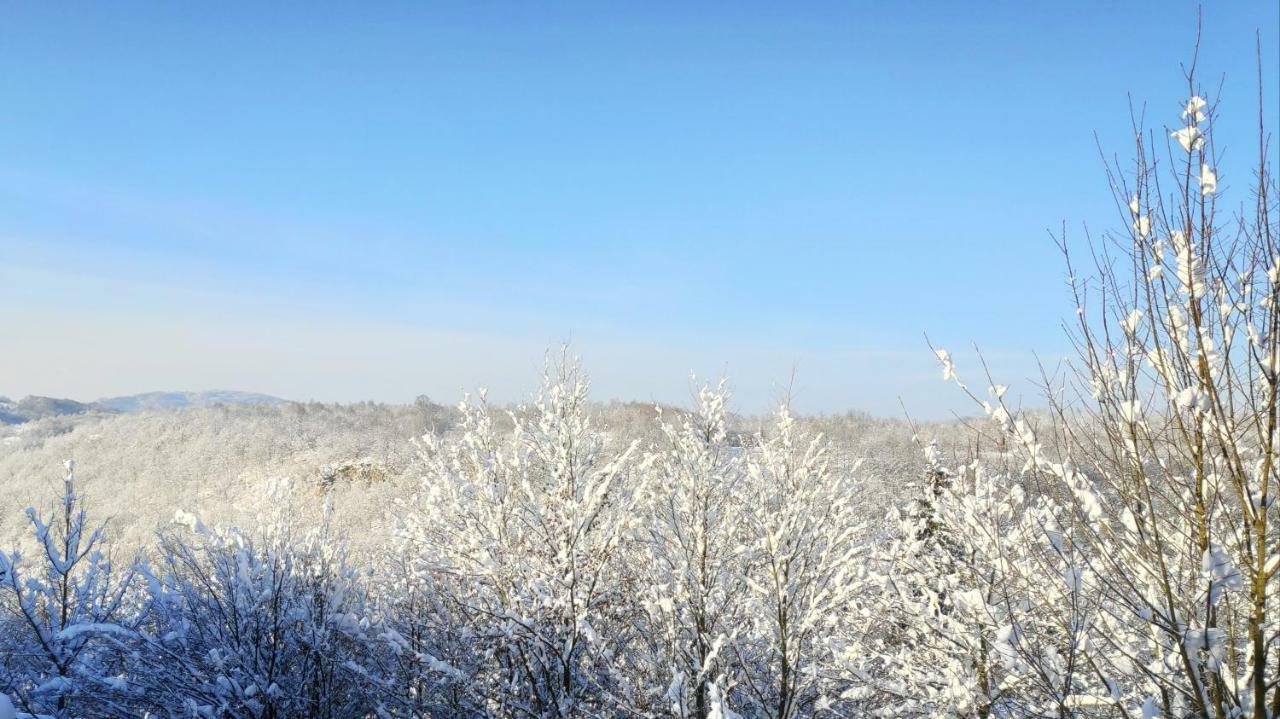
(359,202)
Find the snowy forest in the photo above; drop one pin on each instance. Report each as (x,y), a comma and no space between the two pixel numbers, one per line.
(1112,550)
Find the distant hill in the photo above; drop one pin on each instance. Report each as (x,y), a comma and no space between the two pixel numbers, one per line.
(179,400)
(32,408)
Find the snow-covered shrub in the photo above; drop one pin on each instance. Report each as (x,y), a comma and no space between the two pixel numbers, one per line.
(64,613)
(261,624)
(420,628)
(952,631)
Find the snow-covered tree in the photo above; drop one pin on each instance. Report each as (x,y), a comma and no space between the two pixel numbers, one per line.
(805,525)
(1127,547)
(929,645)
(697,555)
(526,533)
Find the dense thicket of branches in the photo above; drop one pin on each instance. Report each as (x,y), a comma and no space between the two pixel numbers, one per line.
(1116,555)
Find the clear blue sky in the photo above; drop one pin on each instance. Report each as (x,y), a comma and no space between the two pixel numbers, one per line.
(369,201)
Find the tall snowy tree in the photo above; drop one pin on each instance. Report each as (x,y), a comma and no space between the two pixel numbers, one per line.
(527,534)
(698,552)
